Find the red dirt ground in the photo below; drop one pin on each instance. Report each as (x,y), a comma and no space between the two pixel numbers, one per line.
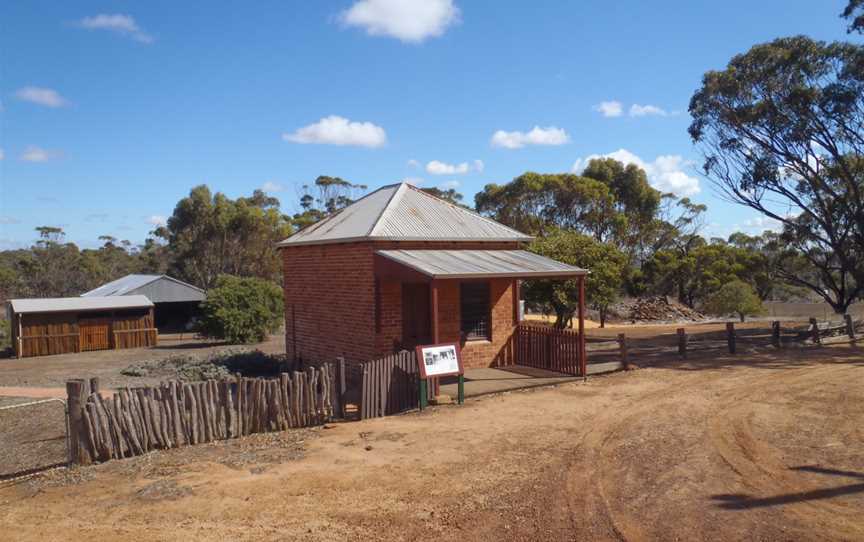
(758,446)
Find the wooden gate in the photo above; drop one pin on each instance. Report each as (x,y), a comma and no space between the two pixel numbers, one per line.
(390,385)
(94,334)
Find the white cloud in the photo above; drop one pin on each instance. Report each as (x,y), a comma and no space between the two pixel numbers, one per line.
(550,135)
(336,130)
(411,21)
(413,163)
(666,173)
(117,23)
(454,184)
(436,167)
(637,110)
(156,220)
(612,108)
(41,96)
(272,186)
(762,223)
(37,154)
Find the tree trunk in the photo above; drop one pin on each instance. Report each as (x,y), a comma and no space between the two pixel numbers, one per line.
(741,315)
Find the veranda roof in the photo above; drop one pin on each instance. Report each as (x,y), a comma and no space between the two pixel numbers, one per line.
(69,304)
(467,264)
(401,212)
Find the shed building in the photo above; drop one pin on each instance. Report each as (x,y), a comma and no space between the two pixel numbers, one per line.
(400,268)
(63,325)
(175,301)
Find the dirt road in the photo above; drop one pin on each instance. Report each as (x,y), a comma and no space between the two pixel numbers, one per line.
(764,447)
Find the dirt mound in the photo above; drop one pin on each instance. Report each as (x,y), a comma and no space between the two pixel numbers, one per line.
(658,309)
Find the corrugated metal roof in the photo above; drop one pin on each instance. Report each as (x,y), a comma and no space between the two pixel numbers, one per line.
(480,263)
(70,304)
(158,288)
(401,212)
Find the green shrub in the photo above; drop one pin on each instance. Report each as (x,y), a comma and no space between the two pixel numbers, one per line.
(241,310)
(735,297)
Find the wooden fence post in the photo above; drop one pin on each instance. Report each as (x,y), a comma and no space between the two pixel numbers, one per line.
(78,453)
(622,351)
(341,387)
(775,334)
(730,336)
(682,342)
(94,385)
(814,331)
(850,327)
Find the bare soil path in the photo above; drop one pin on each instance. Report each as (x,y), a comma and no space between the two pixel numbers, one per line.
(766,446)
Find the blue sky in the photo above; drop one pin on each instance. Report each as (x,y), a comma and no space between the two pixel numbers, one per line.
(112,111)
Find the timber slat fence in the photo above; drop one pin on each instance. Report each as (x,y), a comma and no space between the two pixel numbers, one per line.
(548,348)
(390,385)
(137,420)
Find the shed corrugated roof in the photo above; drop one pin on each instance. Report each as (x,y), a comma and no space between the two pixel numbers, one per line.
(401,212)
(466,264)
(131,284)
(70,304)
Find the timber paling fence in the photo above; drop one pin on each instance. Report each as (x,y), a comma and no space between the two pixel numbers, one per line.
(138,420)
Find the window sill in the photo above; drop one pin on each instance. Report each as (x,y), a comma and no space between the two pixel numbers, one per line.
(477,341)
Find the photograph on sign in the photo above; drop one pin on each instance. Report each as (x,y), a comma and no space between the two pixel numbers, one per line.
(439,360)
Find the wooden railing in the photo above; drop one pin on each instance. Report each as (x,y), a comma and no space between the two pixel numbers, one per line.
(548,348)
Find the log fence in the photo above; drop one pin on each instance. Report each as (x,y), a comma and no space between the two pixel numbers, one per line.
(135,421)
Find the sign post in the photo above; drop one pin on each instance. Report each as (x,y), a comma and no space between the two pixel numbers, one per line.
(436,360)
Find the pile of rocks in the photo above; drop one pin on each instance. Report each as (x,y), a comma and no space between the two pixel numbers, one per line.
(661,309)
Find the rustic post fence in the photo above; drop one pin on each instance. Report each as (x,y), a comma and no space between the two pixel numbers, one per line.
(775,334)
(850,326)
(75,413)
(730,337)
(622,351)
(682,342)
(814,331)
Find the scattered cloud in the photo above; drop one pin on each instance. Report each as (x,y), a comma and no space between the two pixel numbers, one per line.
(414,181)
(124,25)
(413,163)
(550,135)
(637,110)
(37,154)
(9,220)
(336,130)
(436,167)
(454,184)
(156,220)
(762,223)
(272,186)
(410,21)
(612,108)
(666,173)
(41,96)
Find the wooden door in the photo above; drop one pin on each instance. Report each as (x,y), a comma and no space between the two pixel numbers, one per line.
(94,333)
(416,323)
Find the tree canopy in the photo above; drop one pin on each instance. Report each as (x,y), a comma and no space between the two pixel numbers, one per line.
(782,132)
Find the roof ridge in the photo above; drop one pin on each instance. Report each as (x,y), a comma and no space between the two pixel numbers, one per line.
(397,194)
(470,211)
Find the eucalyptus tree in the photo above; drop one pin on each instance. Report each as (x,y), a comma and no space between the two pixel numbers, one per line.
(781,130)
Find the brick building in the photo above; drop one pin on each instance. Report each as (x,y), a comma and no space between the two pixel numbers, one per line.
(399,268)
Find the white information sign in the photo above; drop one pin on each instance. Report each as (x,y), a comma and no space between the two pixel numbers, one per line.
(439,360)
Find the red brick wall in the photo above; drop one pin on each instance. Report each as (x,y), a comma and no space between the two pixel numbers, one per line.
(330,304)
(329,301)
